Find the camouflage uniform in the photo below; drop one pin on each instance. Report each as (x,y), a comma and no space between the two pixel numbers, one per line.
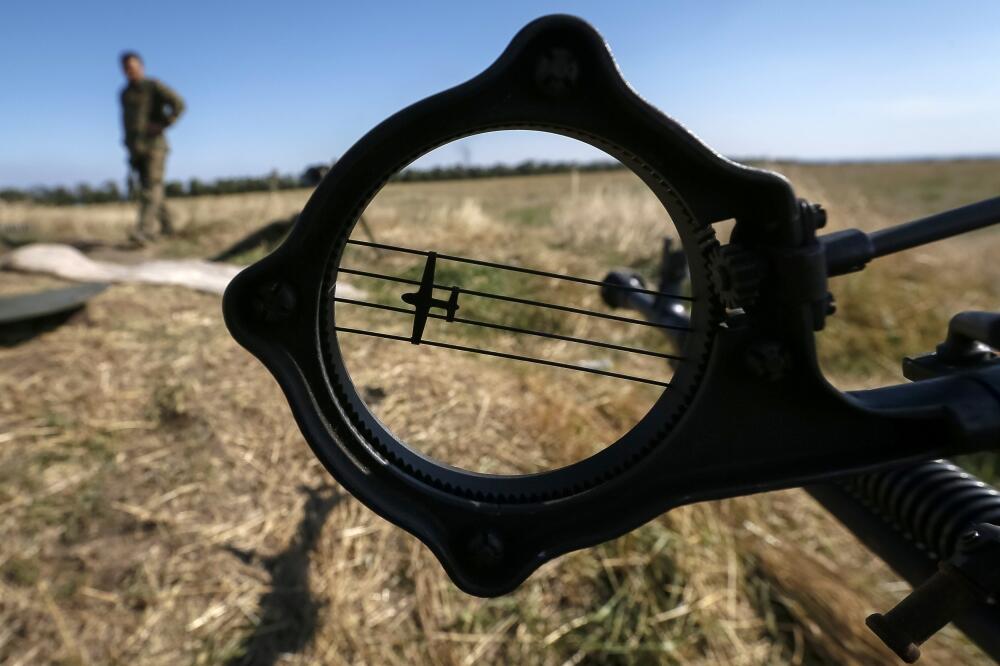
(148,108)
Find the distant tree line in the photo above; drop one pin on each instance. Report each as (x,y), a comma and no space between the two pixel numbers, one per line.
(198,188)
(526,168)
(111,191)
(61,196)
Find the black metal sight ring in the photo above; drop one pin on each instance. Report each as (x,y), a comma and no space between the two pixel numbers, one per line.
(491,532)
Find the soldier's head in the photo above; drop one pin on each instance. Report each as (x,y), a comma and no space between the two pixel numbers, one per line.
(132,66)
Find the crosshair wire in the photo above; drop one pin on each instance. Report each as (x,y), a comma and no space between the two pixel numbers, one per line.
(519,269)
(524,301)
(516,329)
(499,354)
(423,301)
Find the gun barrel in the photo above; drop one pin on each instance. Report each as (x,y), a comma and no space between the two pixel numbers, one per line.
(936,227)
(851,249)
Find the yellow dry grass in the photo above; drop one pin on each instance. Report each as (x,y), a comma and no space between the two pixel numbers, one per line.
(111,222)
(160,507)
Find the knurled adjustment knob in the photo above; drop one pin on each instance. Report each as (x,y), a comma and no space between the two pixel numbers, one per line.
(737,273)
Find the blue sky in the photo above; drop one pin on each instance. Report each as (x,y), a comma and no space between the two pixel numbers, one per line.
(282,85)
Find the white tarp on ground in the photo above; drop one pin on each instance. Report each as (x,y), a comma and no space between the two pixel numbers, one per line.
(69,263)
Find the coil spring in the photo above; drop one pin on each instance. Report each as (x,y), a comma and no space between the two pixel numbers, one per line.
(930,503)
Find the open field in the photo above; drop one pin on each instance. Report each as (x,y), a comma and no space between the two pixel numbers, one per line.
(160,507)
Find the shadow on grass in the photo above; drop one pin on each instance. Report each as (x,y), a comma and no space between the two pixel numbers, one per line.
(287,612)
(257,244)
(16,333)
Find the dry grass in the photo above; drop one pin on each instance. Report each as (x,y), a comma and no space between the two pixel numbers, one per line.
(205,225)
(159,506)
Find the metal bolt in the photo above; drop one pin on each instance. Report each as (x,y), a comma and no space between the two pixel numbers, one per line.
(819,215)
(275,301)
(812,214)
(969,540)
(486,549)
(831,304)
(557,71)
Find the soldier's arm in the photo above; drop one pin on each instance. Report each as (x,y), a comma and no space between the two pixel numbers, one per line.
(121,103)
(128,133)
(172,99)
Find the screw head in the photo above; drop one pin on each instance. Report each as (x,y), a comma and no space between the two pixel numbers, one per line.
(768,361)
(486,549)
(557,71)
(819,215)
(275,301)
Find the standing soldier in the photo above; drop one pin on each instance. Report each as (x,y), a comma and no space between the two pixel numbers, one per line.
(148,108)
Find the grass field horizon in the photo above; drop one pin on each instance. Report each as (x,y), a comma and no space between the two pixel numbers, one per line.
(160,506)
